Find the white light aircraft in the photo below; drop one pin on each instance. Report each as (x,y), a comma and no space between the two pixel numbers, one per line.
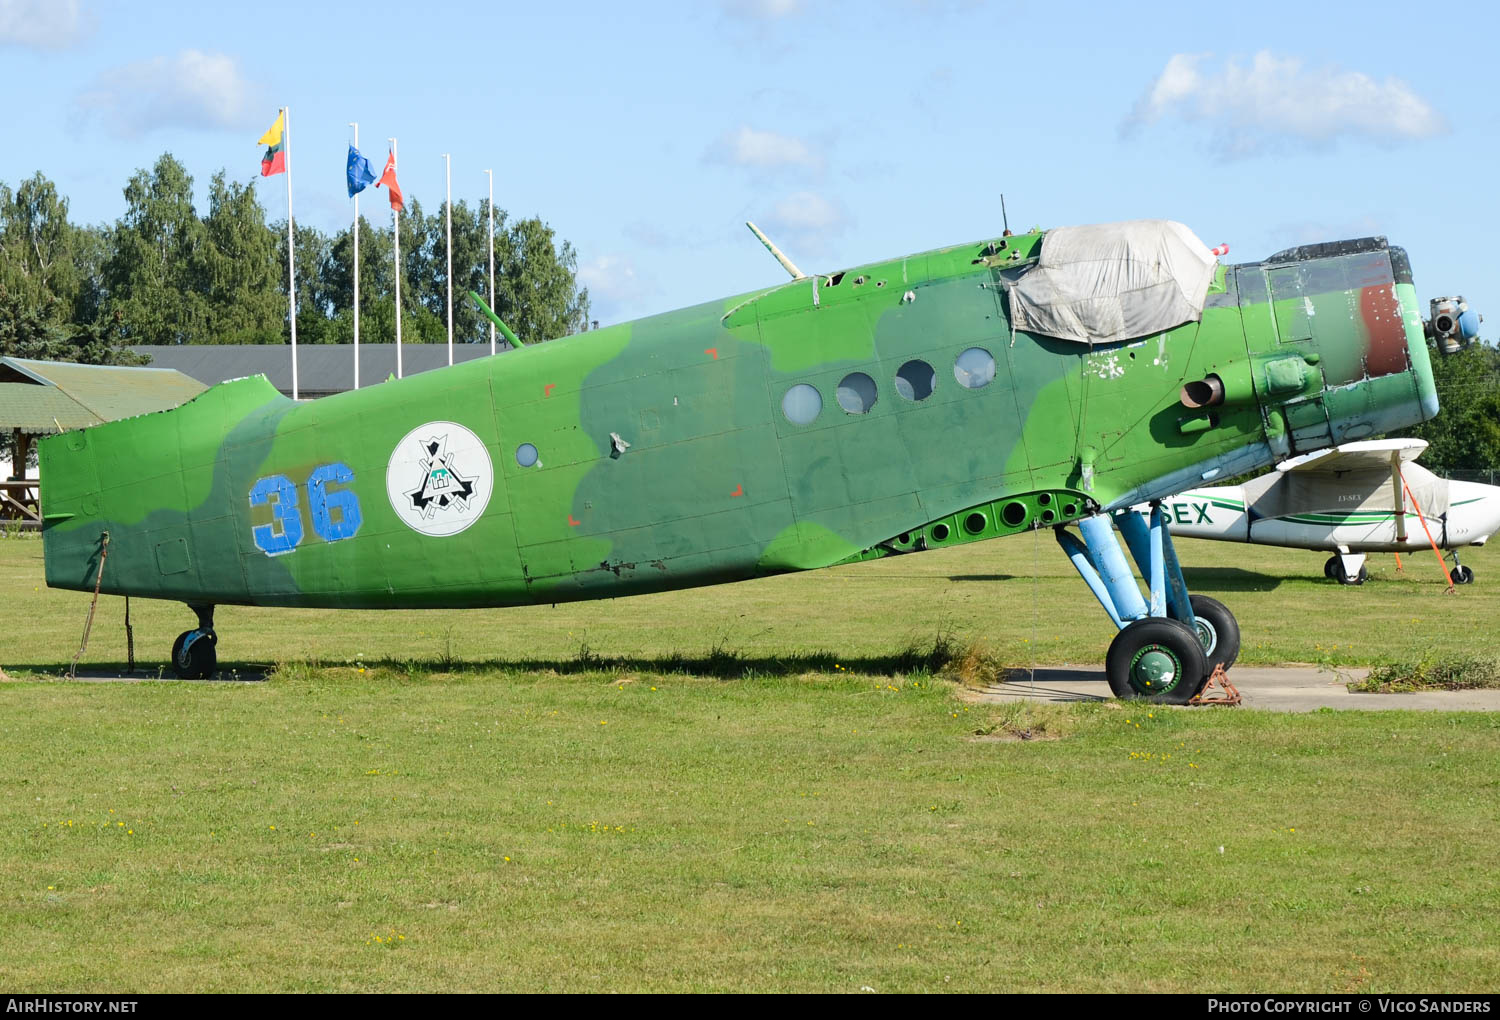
(1351,500)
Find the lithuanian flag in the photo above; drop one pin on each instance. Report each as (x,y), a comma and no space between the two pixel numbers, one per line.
(274,161)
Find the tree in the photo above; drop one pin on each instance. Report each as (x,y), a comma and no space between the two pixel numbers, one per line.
(238,269)
(157,275)
(377,306)
(313,306)
(1466,433)
(162,274)
(37,248)
(536,283)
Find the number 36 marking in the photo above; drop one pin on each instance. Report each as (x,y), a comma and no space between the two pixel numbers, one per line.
(335,514)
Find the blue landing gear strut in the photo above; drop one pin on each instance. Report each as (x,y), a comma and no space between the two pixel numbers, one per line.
(1168,647)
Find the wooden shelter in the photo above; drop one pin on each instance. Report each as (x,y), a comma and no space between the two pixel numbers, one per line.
(39,398)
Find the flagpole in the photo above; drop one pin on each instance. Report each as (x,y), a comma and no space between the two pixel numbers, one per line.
(491,175)
(355,126)
(448,165)
(291,256)
(396,238)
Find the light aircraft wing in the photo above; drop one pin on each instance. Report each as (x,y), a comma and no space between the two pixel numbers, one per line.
(1369,455)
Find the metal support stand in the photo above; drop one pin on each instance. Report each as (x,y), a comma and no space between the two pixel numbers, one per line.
(1157,557)
(1103,567)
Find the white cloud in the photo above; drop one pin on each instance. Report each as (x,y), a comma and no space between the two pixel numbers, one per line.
(648,235)
(194,90)
(612,278)
(807,222)
(1276,100)
(42,24)
(762,150)
(761,10)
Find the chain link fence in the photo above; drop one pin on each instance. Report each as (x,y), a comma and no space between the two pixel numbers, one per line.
(1486,476)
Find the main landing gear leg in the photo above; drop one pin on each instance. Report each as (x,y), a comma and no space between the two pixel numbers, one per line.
(1167,648)
(194,653)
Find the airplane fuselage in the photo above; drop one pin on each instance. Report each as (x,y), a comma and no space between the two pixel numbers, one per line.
(885,409)
(1471,517)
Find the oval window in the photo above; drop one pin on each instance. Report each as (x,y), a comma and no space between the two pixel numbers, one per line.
(856,393)
(802,404)
(974,368)
(526,455)
(916,380)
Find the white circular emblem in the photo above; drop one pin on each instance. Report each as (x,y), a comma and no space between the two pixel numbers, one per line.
(438,478)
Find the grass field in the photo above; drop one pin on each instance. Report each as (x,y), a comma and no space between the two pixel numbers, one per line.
(1019,597)
(755,787)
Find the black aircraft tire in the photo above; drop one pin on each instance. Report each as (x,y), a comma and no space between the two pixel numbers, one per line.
(1462,575)
(1342,576)
(1153,652)
(1330,568)
(1220,636)
(199,660)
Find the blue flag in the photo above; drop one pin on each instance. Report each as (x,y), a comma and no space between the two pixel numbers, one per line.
(360,176)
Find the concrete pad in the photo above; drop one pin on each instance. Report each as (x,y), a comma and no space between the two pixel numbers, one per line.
(1277,688)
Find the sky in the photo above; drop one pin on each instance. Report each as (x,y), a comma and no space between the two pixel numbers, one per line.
(647,133)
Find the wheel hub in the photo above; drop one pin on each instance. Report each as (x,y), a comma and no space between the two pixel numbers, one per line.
(1208,636)
(1154,670)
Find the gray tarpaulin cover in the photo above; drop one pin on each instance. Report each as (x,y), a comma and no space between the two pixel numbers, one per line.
(1113,281)
(1352,477)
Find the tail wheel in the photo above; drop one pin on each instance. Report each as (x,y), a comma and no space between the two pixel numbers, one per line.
(1218,631)
(1158,660)
(194,656)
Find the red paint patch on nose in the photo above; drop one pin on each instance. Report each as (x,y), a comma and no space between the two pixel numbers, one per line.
(1385,332)
(547,389)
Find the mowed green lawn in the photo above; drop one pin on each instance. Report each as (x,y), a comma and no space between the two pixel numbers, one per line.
(676,793)
(1019,597)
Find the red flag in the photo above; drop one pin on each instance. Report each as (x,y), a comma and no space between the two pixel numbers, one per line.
(388,179)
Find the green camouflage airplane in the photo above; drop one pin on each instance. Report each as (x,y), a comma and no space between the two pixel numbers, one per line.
(958,395)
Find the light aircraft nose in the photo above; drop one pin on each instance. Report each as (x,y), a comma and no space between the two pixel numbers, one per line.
(1473,511)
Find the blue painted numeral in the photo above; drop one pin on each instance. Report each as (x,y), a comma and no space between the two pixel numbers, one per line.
(323,503)
(268,539)
(335,514)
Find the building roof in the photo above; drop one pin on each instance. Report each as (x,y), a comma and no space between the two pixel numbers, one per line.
(41,409)
(44,396)
(321,368)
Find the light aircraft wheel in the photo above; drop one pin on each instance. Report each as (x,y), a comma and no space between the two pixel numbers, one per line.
(194,656)
(1462,575)
(1330,568)
(1342,576)
(1218,630)
(1156,659)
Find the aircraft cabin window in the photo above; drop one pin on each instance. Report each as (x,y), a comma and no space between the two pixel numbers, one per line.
(526,455)
(916,380)
(974,368)
(856,393)
(802,404)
